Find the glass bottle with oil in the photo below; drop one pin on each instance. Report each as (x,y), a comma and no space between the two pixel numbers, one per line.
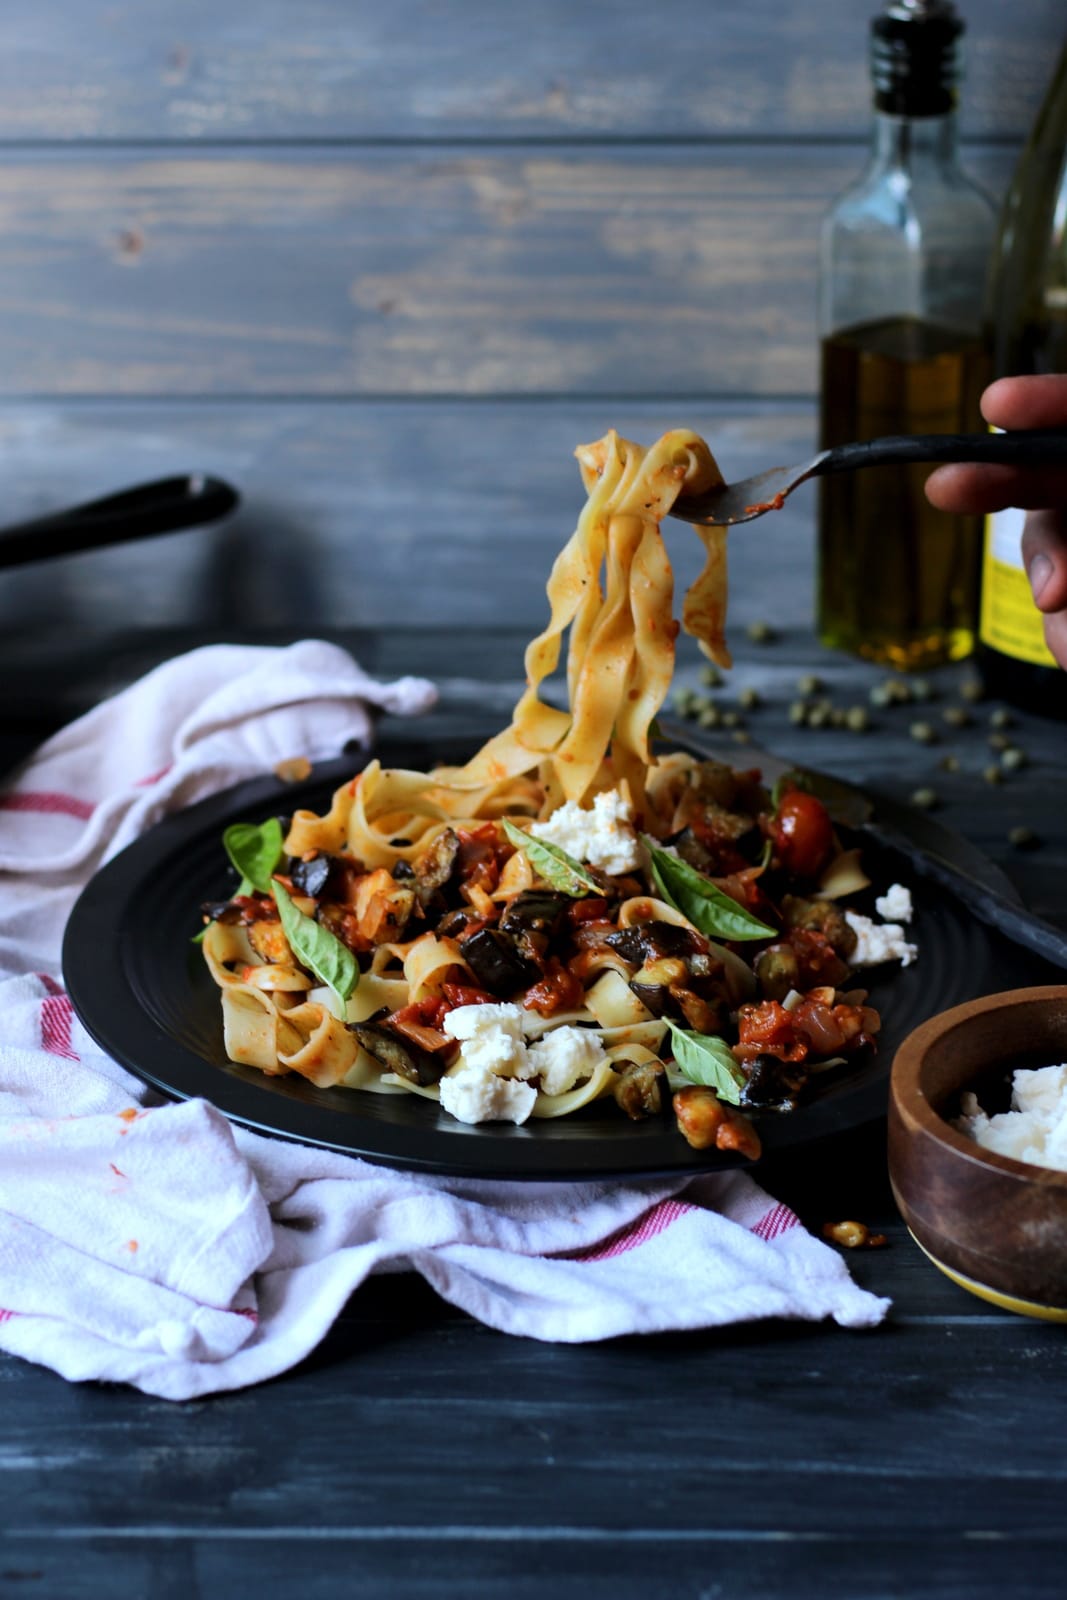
(902,272)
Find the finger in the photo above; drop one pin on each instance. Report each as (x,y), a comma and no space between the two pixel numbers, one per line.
(1033,402)
(970,488)
(1045,559)
(1056,636)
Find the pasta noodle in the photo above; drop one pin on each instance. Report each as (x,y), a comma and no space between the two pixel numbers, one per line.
(503,937)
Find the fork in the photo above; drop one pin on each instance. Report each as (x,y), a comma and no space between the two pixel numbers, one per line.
(750,498)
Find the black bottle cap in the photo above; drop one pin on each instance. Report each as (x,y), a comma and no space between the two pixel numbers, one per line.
(915,57)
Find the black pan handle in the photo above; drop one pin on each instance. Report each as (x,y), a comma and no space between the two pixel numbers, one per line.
(1035,447)
(140,513)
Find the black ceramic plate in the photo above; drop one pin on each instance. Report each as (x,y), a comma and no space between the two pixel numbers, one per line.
(144,993)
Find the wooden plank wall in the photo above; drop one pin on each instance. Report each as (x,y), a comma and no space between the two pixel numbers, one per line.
(385,266)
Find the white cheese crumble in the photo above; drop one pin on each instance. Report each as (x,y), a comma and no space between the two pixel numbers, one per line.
(478,1094)
(563,1056)
(604,836)
(878,941)
(895,905)
(491,1037)
(491,1081)
(1035,1129)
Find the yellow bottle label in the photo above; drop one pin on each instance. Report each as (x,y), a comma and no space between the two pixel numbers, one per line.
(1010,622)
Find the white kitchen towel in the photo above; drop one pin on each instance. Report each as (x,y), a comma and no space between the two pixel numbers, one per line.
(158,1245)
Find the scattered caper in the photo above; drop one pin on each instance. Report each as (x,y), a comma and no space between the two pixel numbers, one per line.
(923,733)
(684,702)
(819,715)
(1002,719)
(810,683)
(761,632)
(957,717)
(709,716)
(949,763)
(838,717)
(798,713)
(741,736)
(730,719)
(879,696)
(857,719)
(921,689)
(1013,759)
(1023,838)
(712,677)
(899,691)
(925,799)
(972,690)
(749,699)
(993,775)
(998,741)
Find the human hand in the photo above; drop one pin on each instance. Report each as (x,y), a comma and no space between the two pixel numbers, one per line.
(1034,402)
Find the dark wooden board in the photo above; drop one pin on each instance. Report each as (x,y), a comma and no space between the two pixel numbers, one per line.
(264,69)
(643,270)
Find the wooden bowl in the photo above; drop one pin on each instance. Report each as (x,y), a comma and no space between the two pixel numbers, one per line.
(997,1226)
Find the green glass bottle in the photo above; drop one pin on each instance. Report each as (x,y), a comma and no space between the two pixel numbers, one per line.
(1027,334)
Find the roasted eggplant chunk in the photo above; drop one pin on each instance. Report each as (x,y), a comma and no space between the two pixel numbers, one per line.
(398,1055)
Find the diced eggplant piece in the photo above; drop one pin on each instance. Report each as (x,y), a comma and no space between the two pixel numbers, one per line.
(456,924)
(648,940)
(496,963)
(703,1013)
(820,916)
(403,871)
(398,1055)
(655,997)
(310,877)
(777,971)
(535,911)
(436,866)
(343,924)
(268,940)
(692,850)
(773,1085)
(221,911)
(639,1089)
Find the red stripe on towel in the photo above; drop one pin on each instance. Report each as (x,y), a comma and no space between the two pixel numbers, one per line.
(47,801)
(634,1233)
(779,1219)
(5,1316)
(154,777)
(57,1018)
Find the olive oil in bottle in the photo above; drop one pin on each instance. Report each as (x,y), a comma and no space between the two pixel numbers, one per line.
(898,579)
(902,275)
(1028,334)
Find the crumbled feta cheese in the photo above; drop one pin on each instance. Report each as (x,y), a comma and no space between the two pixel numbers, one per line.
(1035,1129)
(604,835)
(895,905)
(562,1057)
(879,941)
(478,1094)
(491,1037)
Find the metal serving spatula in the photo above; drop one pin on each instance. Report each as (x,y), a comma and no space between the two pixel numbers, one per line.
(752,497)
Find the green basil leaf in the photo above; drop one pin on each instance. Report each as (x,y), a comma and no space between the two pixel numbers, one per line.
(558,869)
(320,950)
(255,852)
(708,1061)
(707,907)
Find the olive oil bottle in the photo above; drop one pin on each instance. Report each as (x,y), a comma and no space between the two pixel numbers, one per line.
(902,275)
(1027,334)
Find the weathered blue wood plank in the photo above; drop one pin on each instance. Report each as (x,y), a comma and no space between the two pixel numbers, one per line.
(642,270)
(266,69)
(357,514)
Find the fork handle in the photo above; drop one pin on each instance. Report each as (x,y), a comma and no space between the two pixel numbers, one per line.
(1037,447)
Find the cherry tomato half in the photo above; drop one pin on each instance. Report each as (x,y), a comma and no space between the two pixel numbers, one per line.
(803,834)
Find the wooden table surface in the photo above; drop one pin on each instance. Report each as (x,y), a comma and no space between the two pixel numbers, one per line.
(418,1453)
